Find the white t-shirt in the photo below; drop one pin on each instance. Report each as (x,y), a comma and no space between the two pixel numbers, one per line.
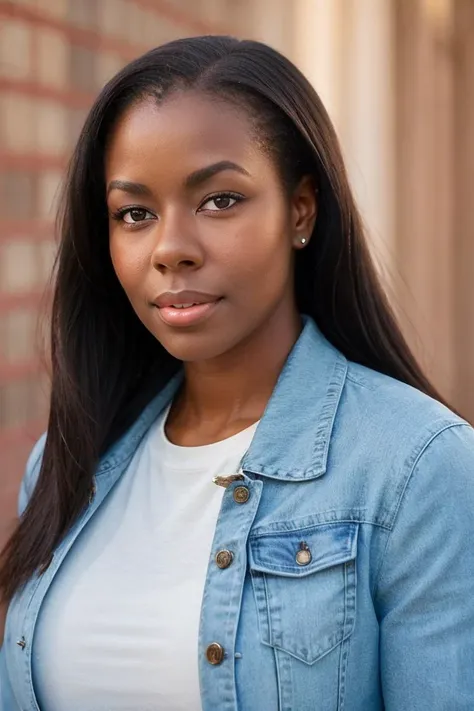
(118,630)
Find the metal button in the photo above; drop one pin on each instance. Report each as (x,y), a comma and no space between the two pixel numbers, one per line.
(92,493)
(303,557)
(215,654)
(241,494)
(224,558)
(22,643)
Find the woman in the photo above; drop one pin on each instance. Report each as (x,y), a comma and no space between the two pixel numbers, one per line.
(248,496)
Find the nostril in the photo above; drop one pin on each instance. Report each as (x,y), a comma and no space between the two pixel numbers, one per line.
(173,265)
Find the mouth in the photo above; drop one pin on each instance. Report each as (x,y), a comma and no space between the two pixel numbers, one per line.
(185,308)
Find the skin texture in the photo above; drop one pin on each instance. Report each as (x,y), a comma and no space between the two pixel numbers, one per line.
(180,238)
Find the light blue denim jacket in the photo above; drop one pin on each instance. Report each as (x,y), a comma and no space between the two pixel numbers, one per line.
(375,483)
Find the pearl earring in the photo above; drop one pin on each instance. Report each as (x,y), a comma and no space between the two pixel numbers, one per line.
(303,240)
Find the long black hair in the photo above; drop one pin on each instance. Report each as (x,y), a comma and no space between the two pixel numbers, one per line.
(105,364)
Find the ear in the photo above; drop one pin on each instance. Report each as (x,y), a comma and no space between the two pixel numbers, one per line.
(304,208)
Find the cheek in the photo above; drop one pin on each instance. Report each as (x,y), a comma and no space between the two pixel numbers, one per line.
(128,263)
(262,255)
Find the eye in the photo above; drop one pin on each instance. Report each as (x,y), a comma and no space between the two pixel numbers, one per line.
(133,215)
(136,214)
(221,202)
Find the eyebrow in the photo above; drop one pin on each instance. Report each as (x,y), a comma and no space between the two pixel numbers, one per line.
(196,178)
(203,174)
(128,187)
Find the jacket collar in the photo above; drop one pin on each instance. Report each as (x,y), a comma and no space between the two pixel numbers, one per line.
(292,439)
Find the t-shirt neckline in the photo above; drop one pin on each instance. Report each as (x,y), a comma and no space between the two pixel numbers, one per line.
(196,456)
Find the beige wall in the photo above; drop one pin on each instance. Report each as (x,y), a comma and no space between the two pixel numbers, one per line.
(398,79)
(346,48)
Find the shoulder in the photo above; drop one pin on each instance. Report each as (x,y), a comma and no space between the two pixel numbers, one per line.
(394,407)
(30,476)
(392,434)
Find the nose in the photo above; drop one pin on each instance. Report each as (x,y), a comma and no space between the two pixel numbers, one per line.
(177,245)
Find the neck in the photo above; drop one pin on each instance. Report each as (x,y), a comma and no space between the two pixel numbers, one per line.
(222,396)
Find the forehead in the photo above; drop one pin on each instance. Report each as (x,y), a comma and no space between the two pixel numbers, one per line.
(182,133)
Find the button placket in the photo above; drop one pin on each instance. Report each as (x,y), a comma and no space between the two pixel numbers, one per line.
(222,595)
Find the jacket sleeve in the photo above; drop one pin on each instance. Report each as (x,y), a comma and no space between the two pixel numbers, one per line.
(425,593)
(7,701)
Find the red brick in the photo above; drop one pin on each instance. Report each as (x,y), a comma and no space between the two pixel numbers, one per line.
(48,191)
(51,128)
(18,194)
(15,45)
(18,267)
(52,57)
(82,68)
(17,123)
(19,335)
(84,13)
(14,403)
(53,8)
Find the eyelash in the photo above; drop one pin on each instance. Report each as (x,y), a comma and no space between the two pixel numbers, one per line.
(119,214)
(233,196)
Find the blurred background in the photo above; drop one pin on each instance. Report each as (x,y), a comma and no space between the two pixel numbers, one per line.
(397,77)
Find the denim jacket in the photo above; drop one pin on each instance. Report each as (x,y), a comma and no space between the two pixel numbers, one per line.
(352,579)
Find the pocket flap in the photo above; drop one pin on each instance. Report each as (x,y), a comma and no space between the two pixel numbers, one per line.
(324,546)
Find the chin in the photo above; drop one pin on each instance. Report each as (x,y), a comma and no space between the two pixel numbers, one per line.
(194,347)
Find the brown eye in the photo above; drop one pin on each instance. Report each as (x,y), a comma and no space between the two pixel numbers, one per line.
(136,214)
(222,202)
(219,203)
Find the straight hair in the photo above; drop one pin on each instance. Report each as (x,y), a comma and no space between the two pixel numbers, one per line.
(105,369)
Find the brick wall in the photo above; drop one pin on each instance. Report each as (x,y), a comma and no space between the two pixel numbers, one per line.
(54,57)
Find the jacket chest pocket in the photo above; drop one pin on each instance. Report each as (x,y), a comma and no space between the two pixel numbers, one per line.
(305,587)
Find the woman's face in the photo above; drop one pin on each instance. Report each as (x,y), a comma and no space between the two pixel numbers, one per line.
(202,233)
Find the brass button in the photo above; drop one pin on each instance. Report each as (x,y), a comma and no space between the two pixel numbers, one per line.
(224,559)
(241,494)
(215,654)
(304,557)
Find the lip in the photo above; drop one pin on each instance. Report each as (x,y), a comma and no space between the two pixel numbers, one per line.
(203,306)
(170,298)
